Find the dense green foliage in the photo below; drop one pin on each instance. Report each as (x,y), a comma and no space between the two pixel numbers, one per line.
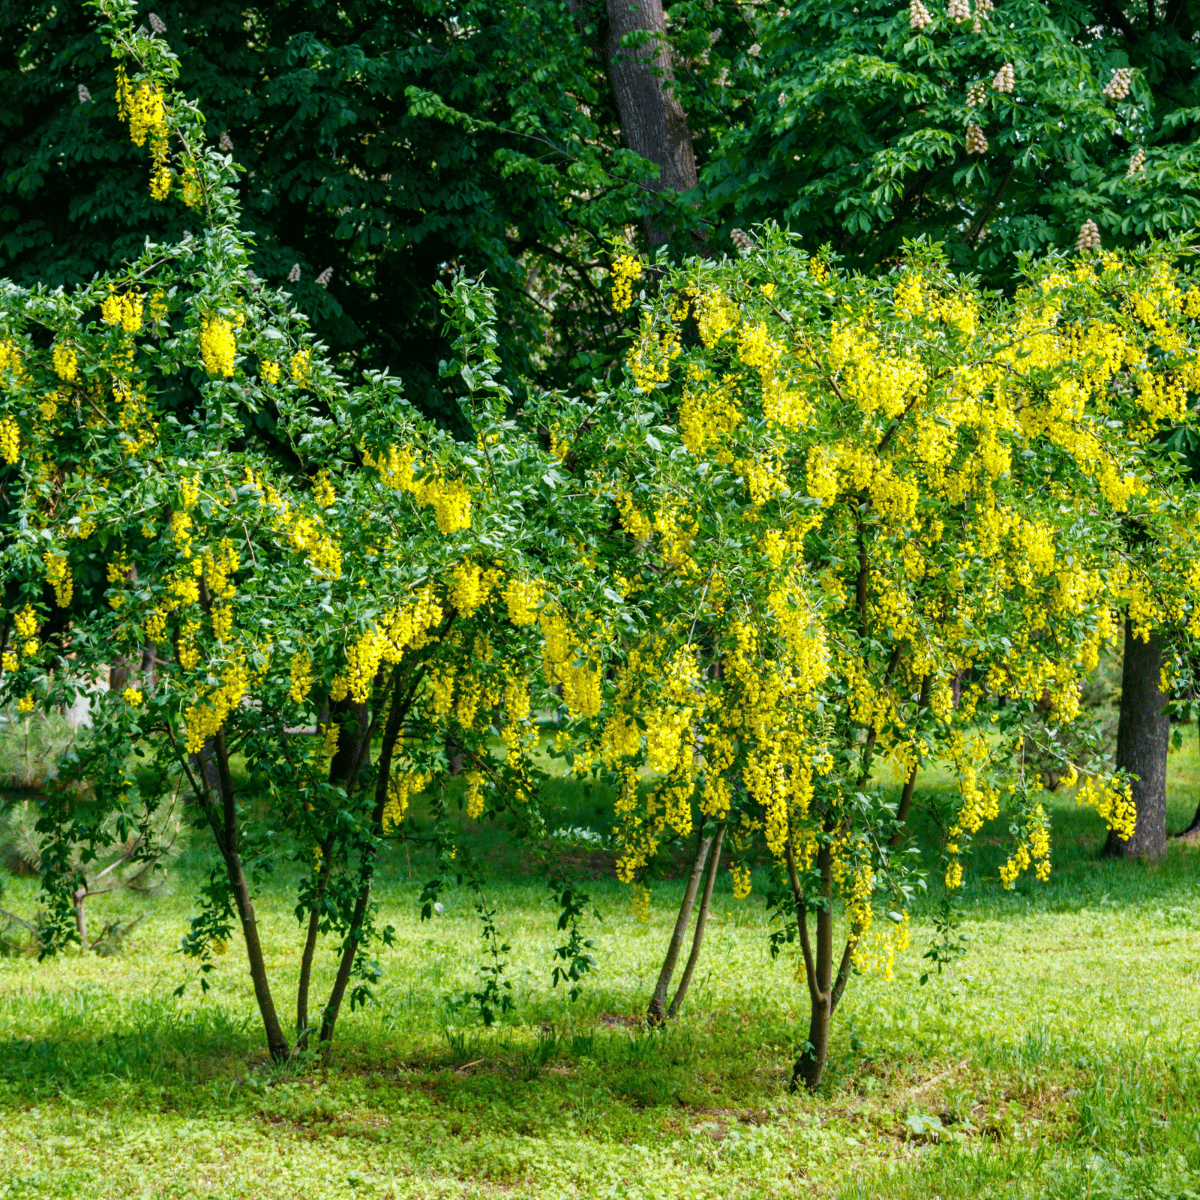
(859,133)
(341,171)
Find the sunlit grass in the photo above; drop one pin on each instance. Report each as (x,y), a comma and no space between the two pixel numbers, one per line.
(1061,1057)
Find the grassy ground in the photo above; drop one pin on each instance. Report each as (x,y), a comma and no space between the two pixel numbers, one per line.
(1060,1058)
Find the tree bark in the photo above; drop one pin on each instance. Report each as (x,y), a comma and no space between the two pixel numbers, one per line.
(656,1009)
(1195,825)
(401,703)
(1143,736)
(810,1065)
(1195,821)
(714,861)
(310,947)
(224,823)
(81,916)
(354,741)
(652,119)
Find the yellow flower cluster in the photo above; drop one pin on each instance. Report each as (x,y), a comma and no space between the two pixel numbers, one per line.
(10,440)
(651,356)
(143,108)
(58,576)
(522,597)
(395,467)
(66,362)
(633,520)
(193,194)
(1113,801)
(450,501)
(300,675)
(125,311)
(625,271)
(877,949)
(300,364)
(401,786)
(324,492)
(208,714)
(401,628)
(470,586)
(740,875)
(268,372)
(25,622)
(1033,849)
(474,797)
(218,346)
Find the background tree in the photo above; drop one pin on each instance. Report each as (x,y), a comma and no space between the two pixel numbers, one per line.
(994,129)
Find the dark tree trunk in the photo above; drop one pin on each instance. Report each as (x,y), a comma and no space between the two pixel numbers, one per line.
(1194,827)
(310,946)
(1143,735)
(402,699)
(652,119)
(354,741)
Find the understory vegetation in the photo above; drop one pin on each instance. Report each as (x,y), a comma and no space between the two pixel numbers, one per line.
(1058,1057)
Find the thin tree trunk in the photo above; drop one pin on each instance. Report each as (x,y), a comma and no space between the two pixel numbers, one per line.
(701,922)
(810,1066)
(658,999)
(150,667)
(81,916)
(401,703)
(906,796)
(1195,825)
(354,744)
(306,960)
(227,840)
(910,784)
(652,119)
(1143,737)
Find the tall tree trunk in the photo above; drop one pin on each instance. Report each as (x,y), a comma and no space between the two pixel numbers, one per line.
(1143,735)
(656,1009)
(652,119)
(310,947)
(354,741)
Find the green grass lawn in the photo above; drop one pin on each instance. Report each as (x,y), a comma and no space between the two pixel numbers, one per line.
(1060,1057)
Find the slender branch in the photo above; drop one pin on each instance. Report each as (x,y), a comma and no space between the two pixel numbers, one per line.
(843,974)
(810,969)
(985,213)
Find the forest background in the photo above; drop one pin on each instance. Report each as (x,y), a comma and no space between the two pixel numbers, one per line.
(388,148)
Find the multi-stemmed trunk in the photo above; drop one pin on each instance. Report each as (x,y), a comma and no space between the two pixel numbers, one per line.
(824,988)
(212,783)
(401,702)
(708,855)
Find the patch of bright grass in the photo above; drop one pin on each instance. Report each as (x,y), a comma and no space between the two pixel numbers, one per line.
(1060,1058)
